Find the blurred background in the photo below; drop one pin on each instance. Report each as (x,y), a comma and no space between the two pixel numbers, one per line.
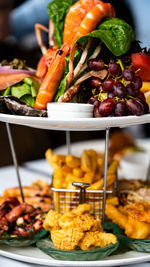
(17,39)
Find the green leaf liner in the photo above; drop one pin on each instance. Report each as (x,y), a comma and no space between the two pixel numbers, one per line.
(141,245)
(115,33)
(48,247)
(23,242)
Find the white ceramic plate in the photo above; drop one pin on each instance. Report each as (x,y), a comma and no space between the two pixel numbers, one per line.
(26,255)
(89,124)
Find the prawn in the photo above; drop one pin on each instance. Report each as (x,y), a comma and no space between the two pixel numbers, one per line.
(48,54)
(93,17)
(52,79)
(74,18)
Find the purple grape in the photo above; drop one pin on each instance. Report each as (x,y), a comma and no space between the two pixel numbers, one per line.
(141,96)
(95,64)
(119,90)
(137,83)
(96,103)
(92,100)
(107,106)
(114,69)
(135,107)
(144,104)
(128,74)
(130,90)
(95,82)
(96,112)
(111,95)
(120,109)
(107,85)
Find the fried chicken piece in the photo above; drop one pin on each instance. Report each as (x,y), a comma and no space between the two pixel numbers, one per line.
(67,220)
(97,226)
(67,239)
(96,239)
(116,216)
(83,222)
(133,228)
(139,211)
(52,220)
(137,229)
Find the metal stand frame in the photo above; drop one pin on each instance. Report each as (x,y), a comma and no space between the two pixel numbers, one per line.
(14,157)
(105,171)
(68,144)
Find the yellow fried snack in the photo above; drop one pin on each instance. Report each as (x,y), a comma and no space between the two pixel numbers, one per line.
(116,216)
(72,161)
(67,239)
(96,239)
(89,168)
(77,228)
(133,228)
(137,229)
(52,220)
(139,211)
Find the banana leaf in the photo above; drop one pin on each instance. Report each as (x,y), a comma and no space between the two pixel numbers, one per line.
(48,247)
(23,242)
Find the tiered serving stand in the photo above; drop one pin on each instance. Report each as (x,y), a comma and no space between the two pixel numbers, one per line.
(88,124)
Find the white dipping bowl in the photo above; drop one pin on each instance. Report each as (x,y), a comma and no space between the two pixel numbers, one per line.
(69,110)
(135,166)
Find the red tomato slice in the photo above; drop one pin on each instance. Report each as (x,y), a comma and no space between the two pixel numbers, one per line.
(141,61)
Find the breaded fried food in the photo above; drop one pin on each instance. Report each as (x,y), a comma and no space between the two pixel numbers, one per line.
(77,228)
(133,228)
(116,216)
(137,229)
(96,239)
(67,239)
(52,220)
(139,211)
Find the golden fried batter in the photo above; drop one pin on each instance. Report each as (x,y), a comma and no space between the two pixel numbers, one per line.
(68,229)
(124,218)
(67,239)
(139,211)
(52,220)
(96,239)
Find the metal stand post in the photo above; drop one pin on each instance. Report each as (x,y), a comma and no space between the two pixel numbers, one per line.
(68,143)
(105,170)
(14,157)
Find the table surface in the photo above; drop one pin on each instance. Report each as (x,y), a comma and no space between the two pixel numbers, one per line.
(29,172)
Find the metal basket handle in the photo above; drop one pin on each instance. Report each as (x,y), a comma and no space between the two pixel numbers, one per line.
(82,187)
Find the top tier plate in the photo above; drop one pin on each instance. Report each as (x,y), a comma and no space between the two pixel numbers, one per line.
(91,124)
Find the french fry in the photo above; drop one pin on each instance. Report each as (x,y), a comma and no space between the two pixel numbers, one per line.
(72,161)
(93,158)
(88,177)
(86,164)
(113,167)
(77,172)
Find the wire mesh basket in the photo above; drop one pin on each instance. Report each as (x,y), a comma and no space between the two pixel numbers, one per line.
(65,200)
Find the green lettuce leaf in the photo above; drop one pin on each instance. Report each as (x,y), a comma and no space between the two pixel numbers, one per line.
(115,33)
(57,10)
(20,90)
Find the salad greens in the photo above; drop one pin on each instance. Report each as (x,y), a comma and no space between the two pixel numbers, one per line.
(25,90)
(57,11)
(115,33)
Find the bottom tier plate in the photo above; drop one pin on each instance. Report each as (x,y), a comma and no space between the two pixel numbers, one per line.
(26,255)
